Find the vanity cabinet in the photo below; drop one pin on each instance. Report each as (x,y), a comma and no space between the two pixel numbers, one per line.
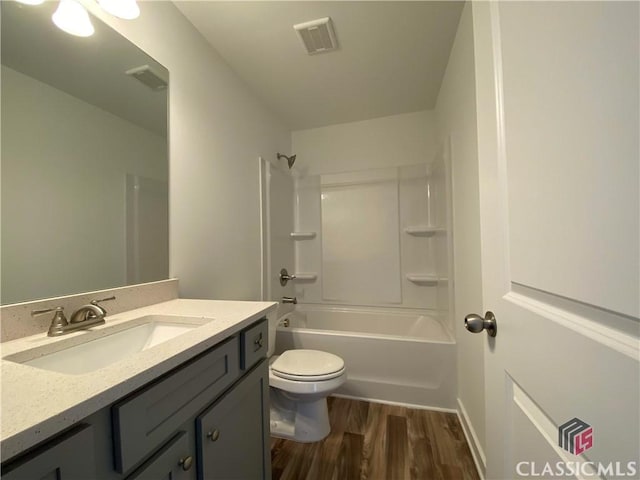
(173,461)
(70,456)
(233,432)
(207,419)
(145,420)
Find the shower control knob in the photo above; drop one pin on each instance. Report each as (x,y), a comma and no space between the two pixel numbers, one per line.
(475,323)
(285,277)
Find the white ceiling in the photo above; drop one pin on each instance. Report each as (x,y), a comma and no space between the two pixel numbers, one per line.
(391,59)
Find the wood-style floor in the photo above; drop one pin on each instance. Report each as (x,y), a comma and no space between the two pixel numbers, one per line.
(378,442)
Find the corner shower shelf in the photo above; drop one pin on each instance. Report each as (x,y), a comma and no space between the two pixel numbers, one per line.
(303,235)
(305,277)
(422,279)
(422,230)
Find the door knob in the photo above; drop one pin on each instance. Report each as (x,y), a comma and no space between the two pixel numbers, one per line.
(475,323)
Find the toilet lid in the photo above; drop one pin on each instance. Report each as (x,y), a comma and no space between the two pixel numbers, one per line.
(308,365)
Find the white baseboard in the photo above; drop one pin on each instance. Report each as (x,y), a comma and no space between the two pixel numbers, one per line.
(400,404)
(477,453)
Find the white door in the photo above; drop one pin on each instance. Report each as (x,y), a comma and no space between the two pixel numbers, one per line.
(557,88)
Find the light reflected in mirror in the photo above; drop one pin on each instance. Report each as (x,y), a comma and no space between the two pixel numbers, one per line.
(84,159)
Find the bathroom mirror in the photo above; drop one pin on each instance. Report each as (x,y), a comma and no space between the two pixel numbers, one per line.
(84,159)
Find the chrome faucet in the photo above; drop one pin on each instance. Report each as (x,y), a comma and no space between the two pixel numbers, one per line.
(84,317)
(86,313)
(293,300)
(91,311)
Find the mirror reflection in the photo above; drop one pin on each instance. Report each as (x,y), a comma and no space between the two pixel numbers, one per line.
(84,159)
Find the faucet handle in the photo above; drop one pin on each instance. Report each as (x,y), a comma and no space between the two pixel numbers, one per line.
(37,313)
(96,302)
(58,322)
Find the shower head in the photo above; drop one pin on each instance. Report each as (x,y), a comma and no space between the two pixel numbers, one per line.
(290,160)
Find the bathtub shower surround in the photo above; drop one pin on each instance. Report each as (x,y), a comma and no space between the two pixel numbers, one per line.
(376,237)
(372,266)
(392,355)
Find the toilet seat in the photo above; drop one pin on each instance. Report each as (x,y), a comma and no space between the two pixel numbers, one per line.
(307,366)
(308,378)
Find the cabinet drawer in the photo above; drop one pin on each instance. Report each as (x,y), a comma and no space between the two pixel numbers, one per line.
(253,344)
(67,457)
(148,418)
(173,461)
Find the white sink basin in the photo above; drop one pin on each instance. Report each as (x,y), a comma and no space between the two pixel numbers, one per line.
(103,350)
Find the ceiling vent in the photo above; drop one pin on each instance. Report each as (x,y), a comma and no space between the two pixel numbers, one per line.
(317,35)
(148,76)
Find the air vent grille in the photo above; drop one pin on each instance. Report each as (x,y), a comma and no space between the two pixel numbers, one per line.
(148,76)
(317,36)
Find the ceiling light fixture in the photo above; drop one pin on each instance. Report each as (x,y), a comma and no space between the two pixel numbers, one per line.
(125,9)
(73,18)
(31,2)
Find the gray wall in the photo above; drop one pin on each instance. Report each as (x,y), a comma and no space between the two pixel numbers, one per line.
(405,139)
(456,117)
(217,130)
(47,165)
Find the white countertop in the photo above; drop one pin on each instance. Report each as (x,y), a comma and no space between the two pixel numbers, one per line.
(37,404)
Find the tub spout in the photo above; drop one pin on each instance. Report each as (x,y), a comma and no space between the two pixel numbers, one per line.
(293,300)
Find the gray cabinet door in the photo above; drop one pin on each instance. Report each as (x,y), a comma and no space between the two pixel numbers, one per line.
(173,461)
(233,434)
(68,457)
(147,419)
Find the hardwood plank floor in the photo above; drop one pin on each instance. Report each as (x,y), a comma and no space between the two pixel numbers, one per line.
(372,441)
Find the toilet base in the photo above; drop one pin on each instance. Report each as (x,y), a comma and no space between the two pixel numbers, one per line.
(297,420)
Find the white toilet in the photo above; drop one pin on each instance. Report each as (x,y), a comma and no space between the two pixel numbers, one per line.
(299,383)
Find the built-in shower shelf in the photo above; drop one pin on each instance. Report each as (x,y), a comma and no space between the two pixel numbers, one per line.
(306,277)
(422,279)
(303,235)
(422,230)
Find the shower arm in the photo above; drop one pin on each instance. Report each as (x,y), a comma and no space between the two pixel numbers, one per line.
(290,160)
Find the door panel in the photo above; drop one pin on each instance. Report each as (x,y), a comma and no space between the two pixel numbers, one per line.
(571,115)
(558,155)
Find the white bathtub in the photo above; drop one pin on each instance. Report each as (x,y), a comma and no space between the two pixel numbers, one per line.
(390,356)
